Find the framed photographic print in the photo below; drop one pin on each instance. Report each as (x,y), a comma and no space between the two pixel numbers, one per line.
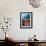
(25,19)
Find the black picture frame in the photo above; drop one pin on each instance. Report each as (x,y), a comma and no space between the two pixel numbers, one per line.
(26,20)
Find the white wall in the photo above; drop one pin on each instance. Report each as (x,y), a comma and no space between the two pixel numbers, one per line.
(12,8)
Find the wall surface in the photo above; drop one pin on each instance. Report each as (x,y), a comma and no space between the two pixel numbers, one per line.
(12,8)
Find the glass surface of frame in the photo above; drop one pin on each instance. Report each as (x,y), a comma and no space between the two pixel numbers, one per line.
(25,19)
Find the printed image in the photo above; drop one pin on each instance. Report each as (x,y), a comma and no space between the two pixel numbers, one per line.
(26,20)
